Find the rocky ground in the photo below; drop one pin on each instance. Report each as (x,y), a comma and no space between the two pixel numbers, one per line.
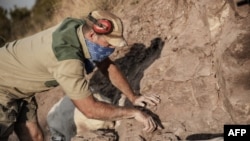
(193,53)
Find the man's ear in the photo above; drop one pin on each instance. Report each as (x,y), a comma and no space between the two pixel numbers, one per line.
(94,37)
(90,35)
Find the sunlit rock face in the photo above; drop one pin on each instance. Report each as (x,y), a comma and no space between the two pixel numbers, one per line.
(202,72)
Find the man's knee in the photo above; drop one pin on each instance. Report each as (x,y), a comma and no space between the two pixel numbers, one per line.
(28,131)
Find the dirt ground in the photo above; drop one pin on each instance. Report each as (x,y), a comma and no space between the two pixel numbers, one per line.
(194,54)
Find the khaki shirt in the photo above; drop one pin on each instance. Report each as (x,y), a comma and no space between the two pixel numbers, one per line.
(40,62)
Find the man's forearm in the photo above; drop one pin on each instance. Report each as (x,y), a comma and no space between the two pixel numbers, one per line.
(118,80)
(103,111)
(109,69)
(94,109)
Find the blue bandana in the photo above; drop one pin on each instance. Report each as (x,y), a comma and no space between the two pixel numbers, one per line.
(98,53)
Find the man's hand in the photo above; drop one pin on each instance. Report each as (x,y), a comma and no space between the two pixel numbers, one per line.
(150,124)
(143,100)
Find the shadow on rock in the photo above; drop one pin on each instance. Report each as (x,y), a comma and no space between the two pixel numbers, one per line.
(132,66)
(204,136)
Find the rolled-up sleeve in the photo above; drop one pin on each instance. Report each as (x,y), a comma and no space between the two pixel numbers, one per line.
(70,74)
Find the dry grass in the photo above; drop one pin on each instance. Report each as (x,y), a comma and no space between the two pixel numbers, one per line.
(47,13)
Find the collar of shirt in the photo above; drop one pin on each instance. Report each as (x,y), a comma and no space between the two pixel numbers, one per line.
(83,43)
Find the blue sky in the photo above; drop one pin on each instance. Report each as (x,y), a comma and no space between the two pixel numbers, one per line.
(9,4)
